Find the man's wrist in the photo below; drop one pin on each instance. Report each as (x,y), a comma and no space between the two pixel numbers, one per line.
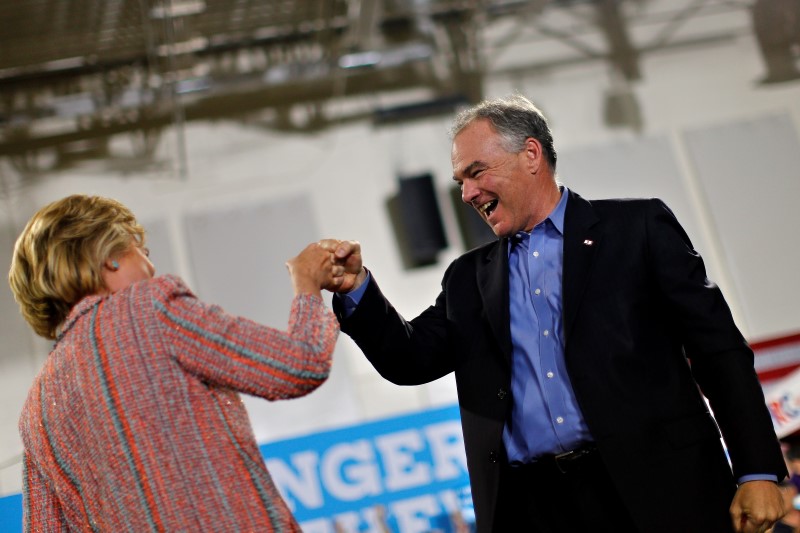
(352,298)
(757,477)
(361,277)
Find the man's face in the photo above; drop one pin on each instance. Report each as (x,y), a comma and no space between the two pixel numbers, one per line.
(511,191)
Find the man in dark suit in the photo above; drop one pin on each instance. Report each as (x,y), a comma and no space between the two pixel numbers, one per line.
(581,341)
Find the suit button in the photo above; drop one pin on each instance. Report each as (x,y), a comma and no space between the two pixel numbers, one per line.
(492,457)
(501,394)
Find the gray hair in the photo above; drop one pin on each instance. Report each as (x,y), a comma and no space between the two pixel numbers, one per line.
(515,119)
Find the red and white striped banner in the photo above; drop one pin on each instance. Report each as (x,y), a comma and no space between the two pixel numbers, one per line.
(777,363)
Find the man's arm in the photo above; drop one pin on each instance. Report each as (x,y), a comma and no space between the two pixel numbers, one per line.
(722,364)
(404,352)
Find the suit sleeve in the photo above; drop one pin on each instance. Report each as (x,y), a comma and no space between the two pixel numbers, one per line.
(404,352)
(41,510)
(240,354)
(721,360)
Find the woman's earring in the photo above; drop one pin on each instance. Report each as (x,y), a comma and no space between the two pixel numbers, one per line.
(114,265)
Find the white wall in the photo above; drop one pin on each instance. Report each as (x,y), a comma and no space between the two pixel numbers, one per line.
(702,109)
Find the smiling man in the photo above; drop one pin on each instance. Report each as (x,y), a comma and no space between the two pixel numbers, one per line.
(582,341)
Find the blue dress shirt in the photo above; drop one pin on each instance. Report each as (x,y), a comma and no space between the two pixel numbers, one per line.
(545,417)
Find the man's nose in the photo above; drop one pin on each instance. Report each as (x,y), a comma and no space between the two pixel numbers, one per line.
(468,191)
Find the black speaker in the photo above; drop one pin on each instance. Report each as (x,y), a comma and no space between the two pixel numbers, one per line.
(474,230)
(417,221)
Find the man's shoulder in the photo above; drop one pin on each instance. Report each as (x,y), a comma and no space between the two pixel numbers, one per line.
(618,203)
(606,207)
(471,263)
(479,253)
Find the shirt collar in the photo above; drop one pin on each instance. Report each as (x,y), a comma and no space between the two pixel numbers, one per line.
(556,217)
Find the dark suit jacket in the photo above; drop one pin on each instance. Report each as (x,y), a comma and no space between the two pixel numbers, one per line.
(643,329)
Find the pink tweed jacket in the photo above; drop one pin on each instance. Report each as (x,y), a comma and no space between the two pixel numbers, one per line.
(135,424)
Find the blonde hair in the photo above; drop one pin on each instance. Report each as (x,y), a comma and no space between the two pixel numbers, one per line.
(58,259)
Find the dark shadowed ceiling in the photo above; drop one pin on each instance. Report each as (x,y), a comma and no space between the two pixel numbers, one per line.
(75,73)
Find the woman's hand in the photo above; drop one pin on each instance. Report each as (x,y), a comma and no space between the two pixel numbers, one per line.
(315,268)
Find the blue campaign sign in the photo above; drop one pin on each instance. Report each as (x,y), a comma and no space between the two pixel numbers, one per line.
(11,514)
(406,474)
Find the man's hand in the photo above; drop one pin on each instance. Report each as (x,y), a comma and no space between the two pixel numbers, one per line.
(756,506)
(313,269)
(346,254)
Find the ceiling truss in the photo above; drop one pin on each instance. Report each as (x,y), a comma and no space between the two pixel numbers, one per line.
(74,74)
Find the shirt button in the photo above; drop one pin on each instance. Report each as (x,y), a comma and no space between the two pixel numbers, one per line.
(535,254)
(492,457)
(550,374)
(501,394)
(546,332)
(537,292)
(560,420)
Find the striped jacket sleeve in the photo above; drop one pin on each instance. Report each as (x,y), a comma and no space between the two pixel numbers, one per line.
(41,510)
(238,353)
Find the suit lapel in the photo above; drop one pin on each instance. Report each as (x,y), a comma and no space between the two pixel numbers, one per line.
(493,288)
(581,241)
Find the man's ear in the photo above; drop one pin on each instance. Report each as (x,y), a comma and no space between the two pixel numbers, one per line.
(534,155)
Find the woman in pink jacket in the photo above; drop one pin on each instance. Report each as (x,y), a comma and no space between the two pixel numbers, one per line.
(135,423)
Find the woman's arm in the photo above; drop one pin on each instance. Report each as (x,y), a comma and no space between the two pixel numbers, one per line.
(240,354)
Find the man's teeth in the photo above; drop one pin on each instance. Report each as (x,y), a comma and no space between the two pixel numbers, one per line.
(487,208)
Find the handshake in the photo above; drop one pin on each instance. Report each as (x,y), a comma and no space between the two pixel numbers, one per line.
(328,264)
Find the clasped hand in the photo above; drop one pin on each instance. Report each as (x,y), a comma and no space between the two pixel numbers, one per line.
(346,258)
(328,264)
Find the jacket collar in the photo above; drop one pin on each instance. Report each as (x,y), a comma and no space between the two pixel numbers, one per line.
(582,238)
(78,310)
(493,288)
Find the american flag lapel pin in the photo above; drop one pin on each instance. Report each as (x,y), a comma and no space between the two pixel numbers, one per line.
(588,242)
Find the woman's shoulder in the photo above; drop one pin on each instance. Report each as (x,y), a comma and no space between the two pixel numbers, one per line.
(169,280)
(163,287)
